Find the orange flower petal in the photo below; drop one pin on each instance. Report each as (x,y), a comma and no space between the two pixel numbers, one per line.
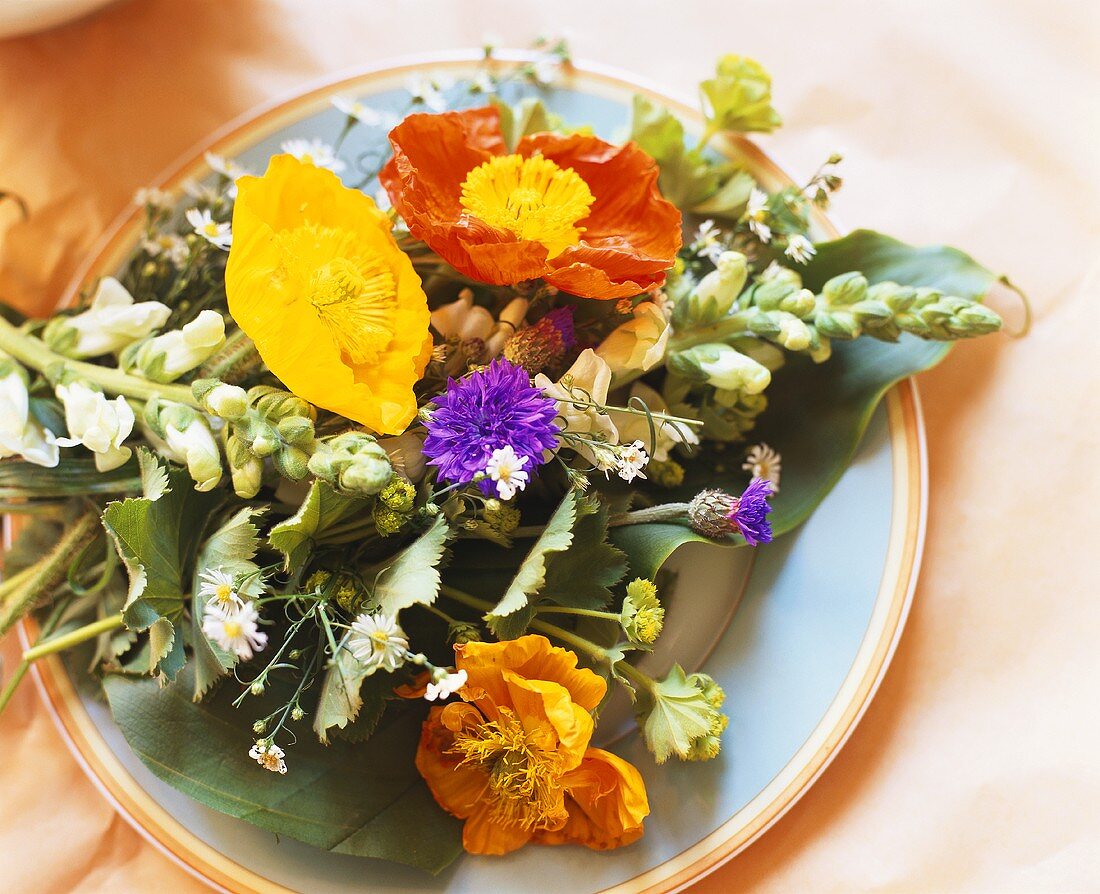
(607,803)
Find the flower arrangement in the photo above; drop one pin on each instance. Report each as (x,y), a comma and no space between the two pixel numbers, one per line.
(405,469)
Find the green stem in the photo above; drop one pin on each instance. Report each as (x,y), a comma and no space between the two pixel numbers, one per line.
(73,637)
(705,137)
(48,627)
(724,329)
(12,583)
(31,352)
(582,612)
(672,513)
(49,572)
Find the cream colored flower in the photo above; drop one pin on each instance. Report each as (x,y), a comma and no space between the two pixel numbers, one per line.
(167,357)
(203,223)
(581,394)
(269,756)
(632,459)
(314,152)
(235,629)
(99,424)
(378,642)
(756,214)
(111,322)
(638,344)
(763,462)
(219,589)
(799,249)
(634,427)
(189,441)
(20,435)
(446,685)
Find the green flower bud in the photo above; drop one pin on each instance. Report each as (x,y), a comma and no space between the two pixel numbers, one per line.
(354,463)
(257,688)
(715,294)
(265,440)
(260,726)
(501,517)
(219,399)
(460,632)
(845,289)
(296,713)
(642,616)
(292,463)
(800,303)
(399,495)
(721,366)
(387,521)
(794,335)
(247,477)
(837,325)
(296,430)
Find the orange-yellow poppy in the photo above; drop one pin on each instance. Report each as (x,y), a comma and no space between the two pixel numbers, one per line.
(513,758)
(583,214)
(334,307)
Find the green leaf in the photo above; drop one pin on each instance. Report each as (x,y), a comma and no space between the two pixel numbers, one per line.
(581,576)
(673,714)
(649,546)
(739,96)
(156,539)
(817,414)
(527,116)
(531,574)
(166,655)
(413,575)
(322,508)
(349,694)
(687,176)
(229,549)
(365,799)
(730,199)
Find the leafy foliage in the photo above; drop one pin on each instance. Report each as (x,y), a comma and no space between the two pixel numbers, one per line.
(344,697)
(413,575)
(322,509)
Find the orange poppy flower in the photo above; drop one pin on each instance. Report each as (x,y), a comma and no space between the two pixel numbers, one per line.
(580,213)
(513,758)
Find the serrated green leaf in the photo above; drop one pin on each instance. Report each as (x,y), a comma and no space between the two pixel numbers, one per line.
(531,574)
(166,654)
(581,576)
(412,576)
(154,479)
(365,799)
(349,693)
(673,714)
(320,510)
(156,540)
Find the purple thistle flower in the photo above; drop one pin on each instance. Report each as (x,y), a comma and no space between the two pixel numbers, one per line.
(484,411)
(561,319)
(749,513)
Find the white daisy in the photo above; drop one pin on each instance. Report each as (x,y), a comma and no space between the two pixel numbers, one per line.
(505,468)
(546,69)
(708,242)
(632,459)
(799,249)
(446,686)
(378,642)
(234,628)
(151,197)
(428,92)
(171,247)
(363,113)
(763,462)
(314,152)
(227,168)
(219,589)
(213,232)
(268,755)
(483,83)
(757,214)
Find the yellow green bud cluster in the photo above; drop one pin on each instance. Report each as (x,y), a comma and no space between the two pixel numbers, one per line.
(643,616)
(501,517)
(681,716)
(667,474)
(340,587)
(399,495)
(707,746)
(353,463)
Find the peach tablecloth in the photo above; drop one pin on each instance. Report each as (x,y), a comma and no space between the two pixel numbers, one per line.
(973,123)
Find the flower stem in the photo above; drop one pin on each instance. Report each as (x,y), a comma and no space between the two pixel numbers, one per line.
(734,324)
(672,513)
(582,612)
(73,638)
(31,352)
(48,627)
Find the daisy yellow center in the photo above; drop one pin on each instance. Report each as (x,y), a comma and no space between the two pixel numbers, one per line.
(232,629)
(531,197)
(524,779)
(223,592)
(352,289)
(270,761)
(211,229)
(381,639)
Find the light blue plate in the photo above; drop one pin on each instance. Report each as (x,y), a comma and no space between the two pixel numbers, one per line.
(799,659)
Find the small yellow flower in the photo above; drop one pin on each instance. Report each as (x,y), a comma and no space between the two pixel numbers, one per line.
(334,307)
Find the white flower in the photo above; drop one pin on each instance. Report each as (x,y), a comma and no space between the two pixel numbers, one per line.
(314,152)
(727,368)
(794,335)
(428,91)
(763,462)
(268,755)
(632,459)
(378,642)
(234,628)
(757,214)
(20,435)
(506,469)
(363,113)
(168,245)
(151,197)
(219,589)
(635,427)
(446,686)
(111,322)
(638,344)
(584,384)
(218,234)
(99,424)
(708,241)
(546,69)
(483,83)
(799,249)
(167,357)
(189,441)
(227,168)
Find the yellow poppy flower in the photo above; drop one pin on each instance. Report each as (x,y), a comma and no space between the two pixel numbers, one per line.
(513,758)
(334,307)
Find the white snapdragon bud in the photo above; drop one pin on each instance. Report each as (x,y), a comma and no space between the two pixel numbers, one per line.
(794,335)
(168,356)
(182,435)
(723,284)
(639,344)
(584,384)
(723,367)
(221,399)
(20,435)
(99,424)
(110,323)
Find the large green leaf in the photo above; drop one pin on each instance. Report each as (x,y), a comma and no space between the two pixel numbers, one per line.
(817,414)
(322,509)
(412,576)
(365,799)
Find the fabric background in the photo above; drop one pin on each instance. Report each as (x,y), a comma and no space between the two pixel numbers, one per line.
(972,123)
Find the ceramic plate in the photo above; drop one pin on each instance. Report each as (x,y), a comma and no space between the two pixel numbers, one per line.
(816,620)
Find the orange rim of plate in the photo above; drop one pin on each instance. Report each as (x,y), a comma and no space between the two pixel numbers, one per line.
(895,595)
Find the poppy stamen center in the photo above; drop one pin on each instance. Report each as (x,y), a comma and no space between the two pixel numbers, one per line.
(532,197)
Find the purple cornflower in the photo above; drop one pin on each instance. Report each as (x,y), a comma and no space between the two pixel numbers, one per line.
(484,411)
(749,513)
